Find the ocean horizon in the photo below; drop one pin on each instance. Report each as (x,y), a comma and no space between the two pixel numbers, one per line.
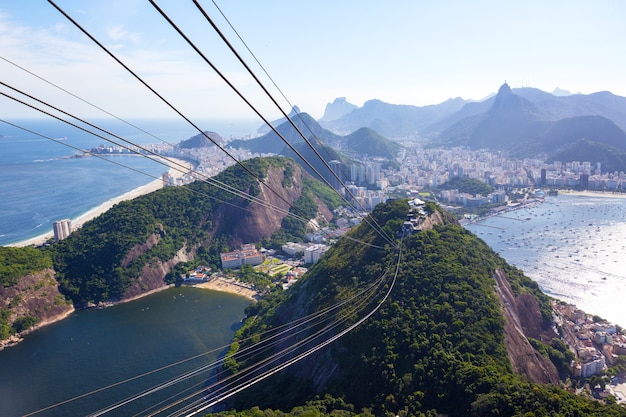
(42,183)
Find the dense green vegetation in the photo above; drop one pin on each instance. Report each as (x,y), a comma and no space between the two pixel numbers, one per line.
(611,158)
(21,323)
(467,185)
(306,206)
(366,141)
(92,264)
(248,274)
(435,346)
(559,353)
(17,262)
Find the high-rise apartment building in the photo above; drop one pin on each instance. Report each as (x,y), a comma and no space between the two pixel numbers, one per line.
(62,229)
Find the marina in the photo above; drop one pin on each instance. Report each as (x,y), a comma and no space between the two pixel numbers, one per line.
(572,245)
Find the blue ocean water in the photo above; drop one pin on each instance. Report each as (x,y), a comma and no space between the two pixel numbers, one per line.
(40,184)
(572,245)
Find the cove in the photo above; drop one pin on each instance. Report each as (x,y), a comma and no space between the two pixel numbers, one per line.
(96,348)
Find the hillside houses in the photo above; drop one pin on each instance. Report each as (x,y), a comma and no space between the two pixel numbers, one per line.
(596,344)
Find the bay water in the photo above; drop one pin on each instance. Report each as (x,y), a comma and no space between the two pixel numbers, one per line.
(93,349)
(573,246)
(40,183)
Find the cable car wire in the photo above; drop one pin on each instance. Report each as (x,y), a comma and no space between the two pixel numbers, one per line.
(269,95)
(234,88)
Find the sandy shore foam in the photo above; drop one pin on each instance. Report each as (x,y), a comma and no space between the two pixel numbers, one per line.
(96,211)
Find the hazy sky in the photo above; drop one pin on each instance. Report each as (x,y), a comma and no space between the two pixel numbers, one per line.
(401,52)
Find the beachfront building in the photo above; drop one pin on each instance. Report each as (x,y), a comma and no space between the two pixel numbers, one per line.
(62,229)
(248,254)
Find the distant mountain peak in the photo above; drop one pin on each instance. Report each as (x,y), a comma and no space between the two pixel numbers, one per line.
(337,109)
(559,92)
(504,89)
(294,111)
(507,101)
(202,140)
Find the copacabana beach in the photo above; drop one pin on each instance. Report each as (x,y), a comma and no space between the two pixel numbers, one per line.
(102,208)
(45,178)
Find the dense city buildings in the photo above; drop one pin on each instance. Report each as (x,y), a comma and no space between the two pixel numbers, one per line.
(596,343)
(421,169)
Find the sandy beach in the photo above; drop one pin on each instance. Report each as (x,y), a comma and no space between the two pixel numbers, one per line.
(590,193)
(229,286)
(96,211)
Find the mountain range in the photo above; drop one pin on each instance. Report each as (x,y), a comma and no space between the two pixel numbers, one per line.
(526,122)
(320,142)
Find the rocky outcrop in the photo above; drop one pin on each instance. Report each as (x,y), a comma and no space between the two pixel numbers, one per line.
(153,275)
(436,218)
(37,296)
(138,250)
(254,222)
(522,320)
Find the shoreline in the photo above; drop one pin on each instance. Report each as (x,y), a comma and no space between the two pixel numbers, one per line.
(591,193)
(94,212)
(536,201)
(215,284)
(228,286)
(14,339)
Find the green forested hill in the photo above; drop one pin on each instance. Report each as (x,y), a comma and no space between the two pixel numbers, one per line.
(435,346)
(131,245)
(467,185)
(144,243)
(365,141)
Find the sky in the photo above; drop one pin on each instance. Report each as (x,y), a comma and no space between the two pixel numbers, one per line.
(400,52)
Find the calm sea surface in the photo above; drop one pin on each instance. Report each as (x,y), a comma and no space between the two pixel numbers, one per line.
(95,348)
(573,246)
(40,185)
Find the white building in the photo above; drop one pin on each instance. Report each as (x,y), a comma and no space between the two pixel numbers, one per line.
(62,229)
(291,248)
(592,367)
(313,253)
(247,255)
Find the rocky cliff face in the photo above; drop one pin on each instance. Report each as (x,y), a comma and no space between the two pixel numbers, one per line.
(153,275)
(35,295)
(255,221)
(252,222)
(522,320)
